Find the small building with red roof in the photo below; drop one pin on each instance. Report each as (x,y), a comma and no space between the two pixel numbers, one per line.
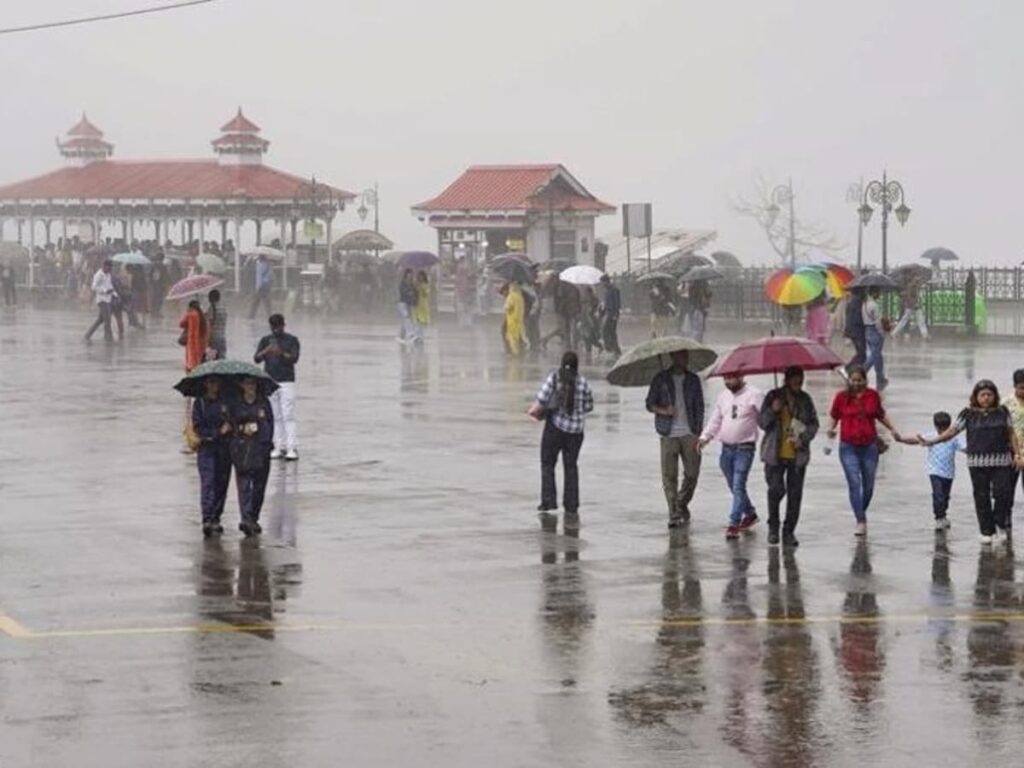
(149,198)
(541,210)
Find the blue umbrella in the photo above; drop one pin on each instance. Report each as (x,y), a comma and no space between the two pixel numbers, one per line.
(134,258)
(417,260)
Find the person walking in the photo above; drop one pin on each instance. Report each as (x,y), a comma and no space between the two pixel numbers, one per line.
(264,280)
(790,423)
(408,298)
(910,298)
(941,466)
(218,319)
(532,307)
(1015,405)
(159,282)
(817,321)
(854,412)
(252,439)
(195,335)
(563,403)
(662,309)
(611,307)
(279,352)
(513,325)
(993,458)
(700,307)
(7,283)
(211,423)
(676,398)
(734,421)
(854,328)
(874,336)
(103,293)
(422,309)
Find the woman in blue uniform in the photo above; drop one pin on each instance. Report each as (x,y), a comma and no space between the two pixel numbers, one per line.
(252,441)
(211,421)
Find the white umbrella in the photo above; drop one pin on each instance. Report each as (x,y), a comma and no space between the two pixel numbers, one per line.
(581,274)
(274,254)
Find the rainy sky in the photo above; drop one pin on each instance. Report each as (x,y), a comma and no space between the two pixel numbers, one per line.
(675,102)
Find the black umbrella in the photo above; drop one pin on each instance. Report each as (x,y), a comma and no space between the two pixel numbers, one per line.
(513,270)
(701,273)
(726,259)
(939,254)
(874,280)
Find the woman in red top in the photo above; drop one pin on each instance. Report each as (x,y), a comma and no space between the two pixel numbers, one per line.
(197,335)
(855,412)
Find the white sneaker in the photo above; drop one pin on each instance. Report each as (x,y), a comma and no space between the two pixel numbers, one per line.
(861,529)
(277,453)
(984,539)
(292,455)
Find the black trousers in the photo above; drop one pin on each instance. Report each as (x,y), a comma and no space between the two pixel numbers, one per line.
(993,496)
(262,296)
(941,487)
(214,463)
(785,480)
(252,487)
(554,442)
(860,347)
(102,319)
(610,329)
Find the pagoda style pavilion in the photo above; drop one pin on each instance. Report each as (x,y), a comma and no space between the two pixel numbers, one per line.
(150,197)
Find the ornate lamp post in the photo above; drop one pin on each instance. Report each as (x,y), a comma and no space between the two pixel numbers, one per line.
(370,197)
(889,196)
(855,194)
(783,195)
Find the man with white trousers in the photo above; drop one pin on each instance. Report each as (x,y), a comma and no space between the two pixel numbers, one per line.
(279,352)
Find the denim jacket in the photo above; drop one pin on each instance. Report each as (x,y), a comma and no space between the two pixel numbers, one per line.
(663,393)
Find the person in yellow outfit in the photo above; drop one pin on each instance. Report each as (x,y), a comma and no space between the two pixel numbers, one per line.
(514,311)
(421,313)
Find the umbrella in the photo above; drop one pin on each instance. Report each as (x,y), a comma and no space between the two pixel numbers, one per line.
(363,240)
(211,264)
(192,385)
(910,273)
(133,258)
(683,262)
(360,259)
(837,277)
(774,355)
(874,280)
(725,259)
(792,288)
(13,254)
(190,286)
(581,274)
(417,260)
(650,276)
(936,255)
(274,254)
(640,364)
(513,270)
(517,256)
(693,274)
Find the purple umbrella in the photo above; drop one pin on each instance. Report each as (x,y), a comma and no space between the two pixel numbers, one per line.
(417,260)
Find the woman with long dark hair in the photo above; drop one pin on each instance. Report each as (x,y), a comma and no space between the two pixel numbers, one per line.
(993,456)
(562,403)
(854,413)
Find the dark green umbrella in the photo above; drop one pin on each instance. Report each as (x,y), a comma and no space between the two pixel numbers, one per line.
(192,385)
(640,364)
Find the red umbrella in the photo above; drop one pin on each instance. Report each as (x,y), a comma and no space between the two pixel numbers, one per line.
(190,286)
(774,355)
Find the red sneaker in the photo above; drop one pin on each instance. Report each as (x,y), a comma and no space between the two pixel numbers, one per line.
(748,521)
(732,532)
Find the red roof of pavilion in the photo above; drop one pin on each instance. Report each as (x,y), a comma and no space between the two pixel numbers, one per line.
(163,179)
(84,129)
(240,124)
(514,187)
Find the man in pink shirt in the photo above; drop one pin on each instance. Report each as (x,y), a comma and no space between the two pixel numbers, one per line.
(734,422)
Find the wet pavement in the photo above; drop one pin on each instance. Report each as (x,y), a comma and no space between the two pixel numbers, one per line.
(404,608)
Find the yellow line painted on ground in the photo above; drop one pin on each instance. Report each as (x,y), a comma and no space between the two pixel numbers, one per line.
(11,628)
(17,631)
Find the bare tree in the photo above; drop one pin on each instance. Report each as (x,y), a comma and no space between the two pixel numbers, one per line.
(770,206)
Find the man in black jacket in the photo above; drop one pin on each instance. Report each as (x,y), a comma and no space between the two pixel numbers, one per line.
(676,398)
(855,331)
(790,422)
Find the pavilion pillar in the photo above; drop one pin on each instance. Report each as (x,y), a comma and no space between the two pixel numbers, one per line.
(46,229)
(31,251)
(329,220)
(63,230)
(190,230)
(223,234)
(96,230)
(202,231)
(131,231)
(156,230)
(259,231)
(238,255)
(20,241)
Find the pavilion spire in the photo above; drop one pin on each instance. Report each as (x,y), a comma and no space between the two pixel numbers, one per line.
(83,144)
(239,142)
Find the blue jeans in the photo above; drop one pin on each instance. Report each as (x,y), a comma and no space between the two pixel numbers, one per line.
(735,463)
(875,341)
(860,462)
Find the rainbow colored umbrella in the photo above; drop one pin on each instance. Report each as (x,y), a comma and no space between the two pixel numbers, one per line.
(791,288)
(837,277)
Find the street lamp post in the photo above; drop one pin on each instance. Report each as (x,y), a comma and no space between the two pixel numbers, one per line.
(855,194)
(783,195)
(889,196)
(370,197)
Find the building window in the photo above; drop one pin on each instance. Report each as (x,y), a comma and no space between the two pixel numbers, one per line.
(564,245)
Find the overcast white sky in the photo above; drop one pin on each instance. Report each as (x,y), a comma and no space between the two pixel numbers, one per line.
(672,101)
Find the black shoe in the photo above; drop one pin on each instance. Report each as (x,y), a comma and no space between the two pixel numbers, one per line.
(773,538)
(548,522)
(209,529)
(571,521)
(545,508)
(250,529)
(675,522)
(789,540)
(219,528)
(257,528)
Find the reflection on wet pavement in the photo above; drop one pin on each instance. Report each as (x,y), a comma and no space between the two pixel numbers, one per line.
(404,605)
